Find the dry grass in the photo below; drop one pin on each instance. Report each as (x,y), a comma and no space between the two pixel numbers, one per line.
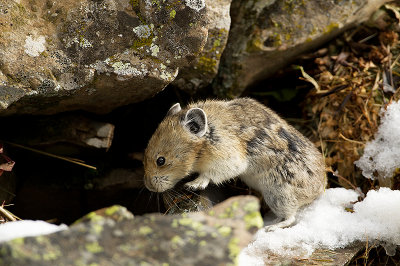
(355,78)
(354,82)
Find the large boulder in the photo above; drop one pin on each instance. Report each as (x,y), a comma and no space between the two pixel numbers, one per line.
(201,72)
(113,237)
(267,35)
(93,54)
(100,54)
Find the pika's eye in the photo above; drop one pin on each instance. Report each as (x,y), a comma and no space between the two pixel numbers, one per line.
(160,161)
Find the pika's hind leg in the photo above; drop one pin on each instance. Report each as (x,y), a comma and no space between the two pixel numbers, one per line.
(283,204)
(280,224)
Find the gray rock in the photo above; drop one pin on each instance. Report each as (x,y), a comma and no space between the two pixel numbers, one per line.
(113,237)
(267,35)
(93,55)
(201,72)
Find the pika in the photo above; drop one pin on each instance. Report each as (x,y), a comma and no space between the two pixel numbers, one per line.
(221,140)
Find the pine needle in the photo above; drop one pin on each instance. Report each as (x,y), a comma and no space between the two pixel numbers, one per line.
(71,160)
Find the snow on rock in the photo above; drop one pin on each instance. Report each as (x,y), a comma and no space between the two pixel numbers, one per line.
(383,154)
(26,228)
(326,224)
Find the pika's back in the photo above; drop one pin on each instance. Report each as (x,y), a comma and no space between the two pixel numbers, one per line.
(237,114)
(248,120)
(269,143)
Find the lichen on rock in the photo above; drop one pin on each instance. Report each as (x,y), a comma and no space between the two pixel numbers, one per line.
(109,236)
(267,35)
(97,56)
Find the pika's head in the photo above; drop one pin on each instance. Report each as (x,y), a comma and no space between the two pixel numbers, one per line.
(174,147)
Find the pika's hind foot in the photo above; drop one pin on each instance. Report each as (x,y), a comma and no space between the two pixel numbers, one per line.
(283,224)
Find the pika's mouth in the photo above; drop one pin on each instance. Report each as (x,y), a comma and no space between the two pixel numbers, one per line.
(188,178)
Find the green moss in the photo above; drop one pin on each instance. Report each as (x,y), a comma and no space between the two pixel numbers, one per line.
(293,5)
(190,233)
(202,243)
(51,254)
(18,250)
(134,3)
(92,216)
(230,211)
(112,210)
(253,219)
(138,43)
(18,14)
(185,221)
(201,234)
(197,226)
(224,231)
(42,240)
(145,230)
(234,249)
(93,247)
(206,64)
(17,241)
(252,206)
(217,43)
(125,248)
(331,27)
(177,241)
(172,14)
(97,229)
(175,223)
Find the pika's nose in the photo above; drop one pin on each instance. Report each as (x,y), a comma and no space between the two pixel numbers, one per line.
(148,184)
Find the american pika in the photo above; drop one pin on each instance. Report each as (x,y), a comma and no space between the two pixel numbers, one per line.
(221,140)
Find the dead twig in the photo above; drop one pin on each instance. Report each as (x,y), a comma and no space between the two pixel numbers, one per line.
(74,161)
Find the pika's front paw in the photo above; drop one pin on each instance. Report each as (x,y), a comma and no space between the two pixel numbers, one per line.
(198,184)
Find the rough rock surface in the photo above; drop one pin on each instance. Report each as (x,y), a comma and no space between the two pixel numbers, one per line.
(100,54)
(93,54)
(267,35)
(113,237)
(201,72)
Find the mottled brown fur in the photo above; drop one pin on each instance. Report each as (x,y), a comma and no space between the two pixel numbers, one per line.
(239,138)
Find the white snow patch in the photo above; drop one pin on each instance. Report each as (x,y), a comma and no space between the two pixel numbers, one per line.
(34,47)
(27,228)
(325,224)
(196,4)
(383,153)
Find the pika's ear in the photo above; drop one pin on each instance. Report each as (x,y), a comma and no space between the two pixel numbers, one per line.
(174,109)
(196,121)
